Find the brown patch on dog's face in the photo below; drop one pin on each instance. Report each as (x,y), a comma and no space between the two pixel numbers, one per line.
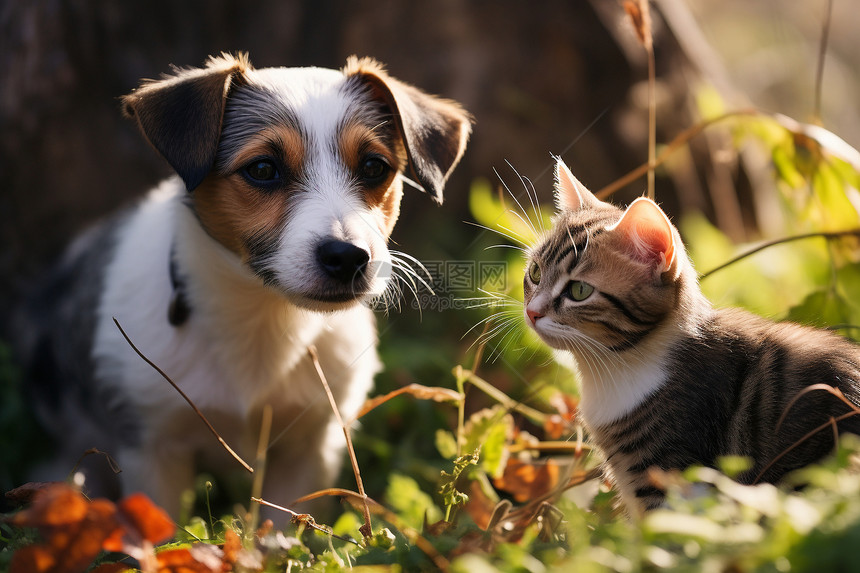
(375,156)
(246,215)
(236,214)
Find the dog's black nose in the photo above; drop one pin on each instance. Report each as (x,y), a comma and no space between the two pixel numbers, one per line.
(342,261)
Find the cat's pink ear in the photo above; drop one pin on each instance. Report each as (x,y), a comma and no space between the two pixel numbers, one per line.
(648,232)
(570,193)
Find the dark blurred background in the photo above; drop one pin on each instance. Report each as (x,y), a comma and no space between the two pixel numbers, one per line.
(555,76)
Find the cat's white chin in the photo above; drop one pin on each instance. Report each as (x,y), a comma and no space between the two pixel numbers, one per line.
(543,327)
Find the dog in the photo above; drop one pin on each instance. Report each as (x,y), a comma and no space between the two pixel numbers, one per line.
(271,238)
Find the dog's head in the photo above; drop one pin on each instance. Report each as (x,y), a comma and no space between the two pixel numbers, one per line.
(299,171)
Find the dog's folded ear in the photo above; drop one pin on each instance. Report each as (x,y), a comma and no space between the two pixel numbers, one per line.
(434,130)
(181,115)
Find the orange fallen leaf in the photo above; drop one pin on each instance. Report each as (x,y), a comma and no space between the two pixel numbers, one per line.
(527,481)
(562,423)
(73,530)
(53,506)
(181,561)
(232,546)
(141,520)
(33,559)
(480,506)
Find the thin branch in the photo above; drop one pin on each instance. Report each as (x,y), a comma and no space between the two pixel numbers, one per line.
(365,529)
(260,463)
(812,388)
(187,399)
(805,437)
(679,140)
(825,234)
(114,466)
(640,17)
(499,396)
(419,391)
(479,352)
(305,519)
(550,446)
(652,103)
(835,433)
(822,56)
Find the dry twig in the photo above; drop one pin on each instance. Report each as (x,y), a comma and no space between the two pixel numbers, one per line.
(185,396)
(366,529)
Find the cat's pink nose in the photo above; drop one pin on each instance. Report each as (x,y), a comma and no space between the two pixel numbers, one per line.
(533,315)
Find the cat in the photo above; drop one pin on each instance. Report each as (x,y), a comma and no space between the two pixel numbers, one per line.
(667,380)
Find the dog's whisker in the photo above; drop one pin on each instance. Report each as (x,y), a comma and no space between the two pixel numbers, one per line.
(401,256)
(406,279)
(411,274)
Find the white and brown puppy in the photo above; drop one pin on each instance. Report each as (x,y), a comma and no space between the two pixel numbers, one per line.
(269,240)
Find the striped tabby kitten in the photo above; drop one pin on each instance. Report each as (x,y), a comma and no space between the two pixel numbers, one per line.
(666,379)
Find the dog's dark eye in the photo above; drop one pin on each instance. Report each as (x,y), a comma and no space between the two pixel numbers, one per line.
(373,170)
(262,171)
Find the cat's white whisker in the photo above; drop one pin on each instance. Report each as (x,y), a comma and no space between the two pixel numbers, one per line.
(525,221)
(507,235)
(521,249)
(529,222)
(531,193)
(485,320)
(503,330)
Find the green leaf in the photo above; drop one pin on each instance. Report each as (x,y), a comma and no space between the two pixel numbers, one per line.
(709,102)
(347,525)
(409,502)
(446,443)
(733,466)
(489,431)
(784,159)
(821,308)
(837,212)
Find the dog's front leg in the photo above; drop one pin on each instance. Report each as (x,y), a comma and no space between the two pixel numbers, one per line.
(298,467)
(160,470)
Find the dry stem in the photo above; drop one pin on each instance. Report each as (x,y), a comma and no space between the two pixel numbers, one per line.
(260,463)
(822,56)
(677,142)
(366,529)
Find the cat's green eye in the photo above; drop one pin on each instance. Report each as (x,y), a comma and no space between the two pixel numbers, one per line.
(579,291)
(534,273)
